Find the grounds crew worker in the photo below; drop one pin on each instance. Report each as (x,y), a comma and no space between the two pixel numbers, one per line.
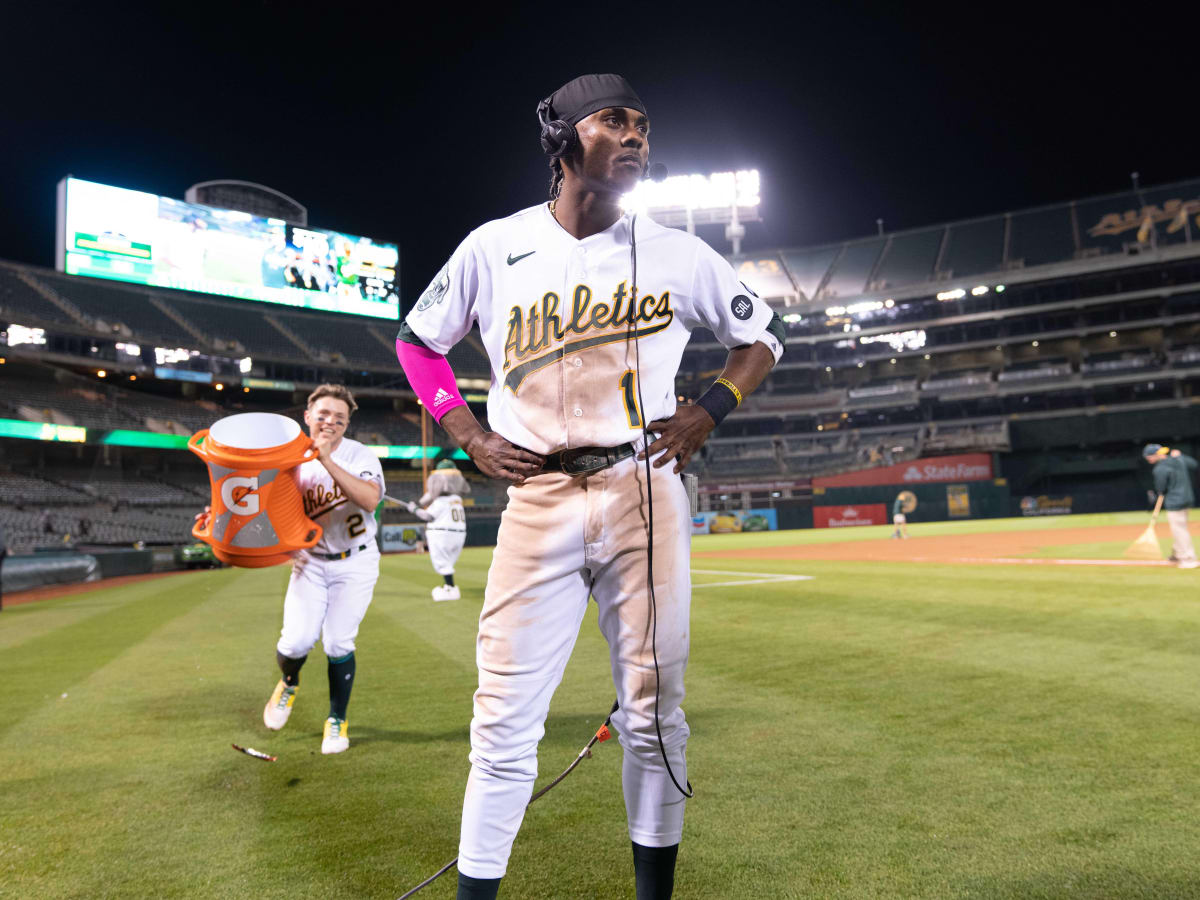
(1172,472)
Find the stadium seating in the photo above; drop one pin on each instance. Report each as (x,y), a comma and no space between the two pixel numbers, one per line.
(344,338)
(111,303)
(73,402)
(230,326)
(22,304)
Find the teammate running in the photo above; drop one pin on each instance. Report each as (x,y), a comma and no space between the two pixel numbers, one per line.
(447,528)
(584,312)
(331,584)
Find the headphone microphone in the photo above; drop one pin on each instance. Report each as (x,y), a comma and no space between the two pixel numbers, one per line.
(655,172)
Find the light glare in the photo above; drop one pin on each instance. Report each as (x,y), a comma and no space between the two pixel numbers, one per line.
(721,190)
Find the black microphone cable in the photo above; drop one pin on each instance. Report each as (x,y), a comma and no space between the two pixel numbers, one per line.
(688,792)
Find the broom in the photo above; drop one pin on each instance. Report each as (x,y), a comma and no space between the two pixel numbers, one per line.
(1146,546)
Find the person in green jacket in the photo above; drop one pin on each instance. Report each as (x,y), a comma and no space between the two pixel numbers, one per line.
(1172,472)
(899,519)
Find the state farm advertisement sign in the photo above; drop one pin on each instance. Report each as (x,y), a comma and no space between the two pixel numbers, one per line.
(850,514)
(931,470)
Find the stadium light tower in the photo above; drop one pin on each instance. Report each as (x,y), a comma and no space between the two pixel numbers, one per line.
(685,201)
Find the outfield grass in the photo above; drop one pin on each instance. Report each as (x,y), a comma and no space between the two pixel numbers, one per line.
(882,730)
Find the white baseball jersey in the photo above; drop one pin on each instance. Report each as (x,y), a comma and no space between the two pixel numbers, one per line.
(346,525)
(554,313)
(445,513)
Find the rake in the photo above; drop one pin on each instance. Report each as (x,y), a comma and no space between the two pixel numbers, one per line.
(1146,546)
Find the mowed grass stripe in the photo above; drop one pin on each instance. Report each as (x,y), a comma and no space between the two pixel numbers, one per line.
(26,621)
(39,670)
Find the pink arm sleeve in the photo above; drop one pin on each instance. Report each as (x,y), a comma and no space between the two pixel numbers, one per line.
(431,377)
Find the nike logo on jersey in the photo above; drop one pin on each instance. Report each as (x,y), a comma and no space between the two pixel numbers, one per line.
(512,260)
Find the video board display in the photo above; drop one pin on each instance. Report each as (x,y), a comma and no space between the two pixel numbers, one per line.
(116,233)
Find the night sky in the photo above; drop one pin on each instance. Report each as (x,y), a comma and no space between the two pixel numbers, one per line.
(417,127)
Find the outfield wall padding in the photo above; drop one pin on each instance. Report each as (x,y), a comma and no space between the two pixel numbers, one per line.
(24,573)
(986,499)
(123,562)
(482,530)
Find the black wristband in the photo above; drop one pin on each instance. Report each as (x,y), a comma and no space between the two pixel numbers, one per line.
(718,401)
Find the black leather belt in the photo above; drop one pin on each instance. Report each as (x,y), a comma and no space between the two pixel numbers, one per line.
(586,460)
(343,554)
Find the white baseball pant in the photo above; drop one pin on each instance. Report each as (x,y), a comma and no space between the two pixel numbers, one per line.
(444,548)
(562,538)
(327,598)
(1180,536)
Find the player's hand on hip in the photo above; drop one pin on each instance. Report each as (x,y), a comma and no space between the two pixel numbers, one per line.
(497,458)
(679,436)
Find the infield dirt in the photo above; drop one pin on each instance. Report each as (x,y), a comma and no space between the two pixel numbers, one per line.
(977,547)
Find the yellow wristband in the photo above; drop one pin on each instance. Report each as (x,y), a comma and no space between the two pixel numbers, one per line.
(733,387)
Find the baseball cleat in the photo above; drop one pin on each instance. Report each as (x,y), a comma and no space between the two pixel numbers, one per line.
(337,736)
(452,592)
(1189,564)
(279,707)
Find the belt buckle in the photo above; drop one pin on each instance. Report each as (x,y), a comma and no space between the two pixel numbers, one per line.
(595,461)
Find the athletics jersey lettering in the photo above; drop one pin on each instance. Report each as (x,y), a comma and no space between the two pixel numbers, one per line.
(533,333)
(318,499)
(529,335)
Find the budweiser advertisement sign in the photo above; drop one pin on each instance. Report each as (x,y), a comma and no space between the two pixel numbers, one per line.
(931,470)
(850,514)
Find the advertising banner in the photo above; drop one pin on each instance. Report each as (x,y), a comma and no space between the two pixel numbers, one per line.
(930,470)
(1046,506)
(850,515)
(958,501)
(735,522)
(401,538)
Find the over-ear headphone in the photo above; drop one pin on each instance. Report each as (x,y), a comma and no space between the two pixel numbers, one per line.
(558,137)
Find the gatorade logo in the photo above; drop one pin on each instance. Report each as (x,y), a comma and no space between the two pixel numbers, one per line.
(237,493)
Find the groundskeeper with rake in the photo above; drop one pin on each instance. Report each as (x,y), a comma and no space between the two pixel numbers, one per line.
(1172,472)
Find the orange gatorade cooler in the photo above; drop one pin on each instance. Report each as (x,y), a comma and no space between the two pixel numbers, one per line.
(257,516)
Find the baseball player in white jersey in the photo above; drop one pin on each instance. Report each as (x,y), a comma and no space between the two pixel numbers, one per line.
(331,584)
(584,312)
(446,530)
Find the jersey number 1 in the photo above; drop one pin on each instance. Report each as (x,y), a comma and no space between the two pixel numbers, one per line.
(629,392)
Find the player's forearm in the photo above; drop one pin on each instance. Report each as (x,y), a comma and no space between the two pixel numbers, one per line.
(460,423)
(362,493)
(746,367)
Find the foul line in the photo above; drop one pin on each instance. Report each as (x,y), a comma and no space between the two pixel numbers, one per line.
(759,578)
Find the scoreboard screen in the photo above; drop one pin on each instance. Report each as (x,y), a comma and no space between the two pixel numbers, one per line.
(112,232)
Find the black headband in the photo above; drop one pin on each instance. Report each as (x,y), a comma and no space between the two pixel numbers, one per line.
(582,96)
